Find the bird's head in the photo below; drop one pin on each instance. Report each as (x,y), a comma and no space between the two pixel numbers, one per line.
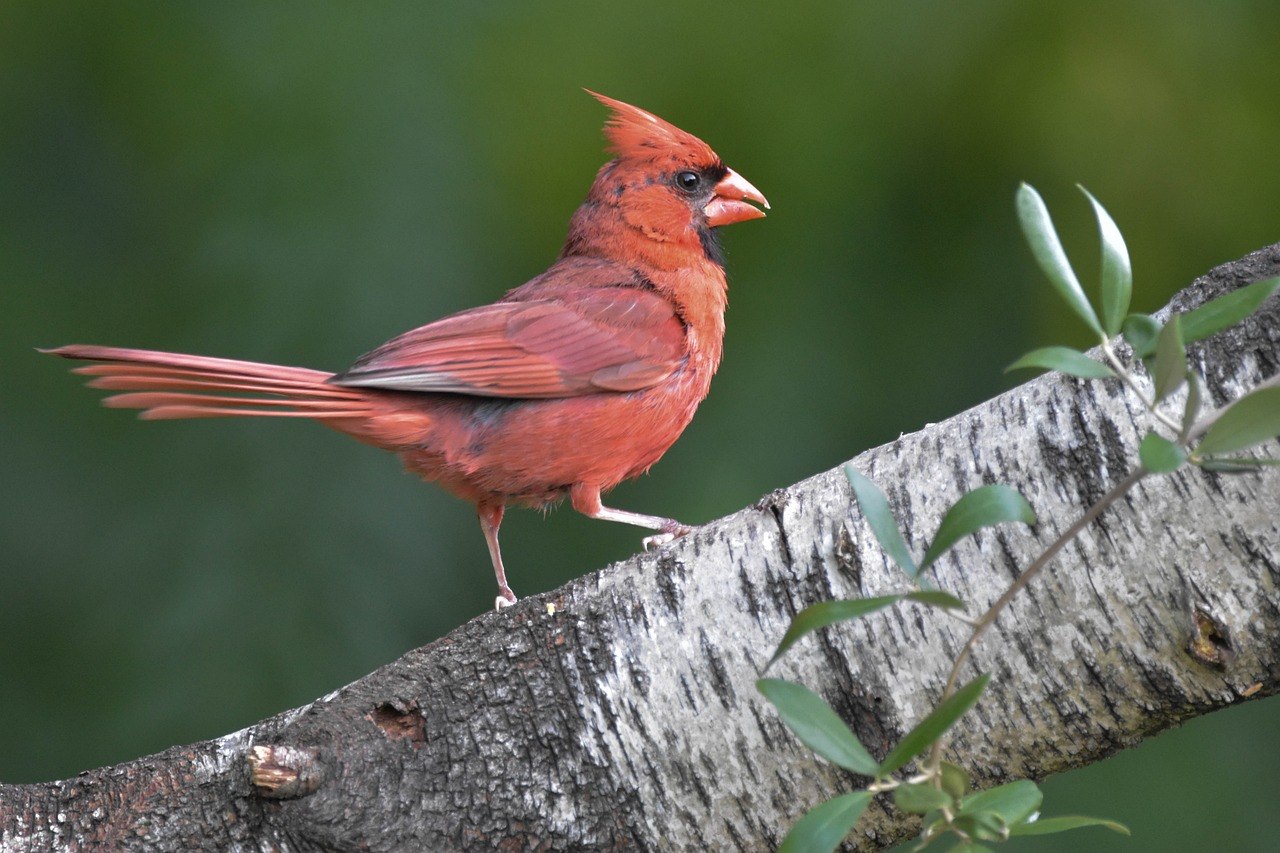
(667,183)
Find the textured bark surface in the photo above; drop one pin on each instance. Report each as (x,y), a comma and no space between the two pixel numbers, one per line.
(619,712)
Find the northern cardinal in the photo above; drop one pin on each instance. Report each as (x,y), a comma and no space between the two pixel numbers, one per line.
(576,380)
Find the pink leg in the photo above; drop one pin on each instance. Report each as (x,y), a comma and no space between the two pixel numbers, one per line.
(586,500)
(490,520)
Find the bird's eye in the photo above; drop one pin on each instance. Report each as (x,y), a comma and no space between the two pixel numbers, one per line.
(688,181)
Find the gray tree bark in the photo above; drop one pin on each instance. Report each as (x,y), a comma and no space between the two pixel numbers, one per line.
(619,712)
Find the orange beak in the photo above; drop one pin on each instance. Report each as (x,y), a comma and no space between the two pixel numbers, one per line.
(729,204)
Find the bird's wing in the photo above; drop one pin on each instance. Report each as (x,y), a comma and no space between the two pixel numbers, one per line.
(575,342)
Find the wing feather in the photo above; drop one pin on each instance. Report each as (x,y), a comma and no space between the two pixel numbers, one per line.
(573,342)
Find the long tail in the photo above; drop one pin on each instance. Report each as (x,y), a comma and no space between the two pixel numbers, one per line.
(169,385)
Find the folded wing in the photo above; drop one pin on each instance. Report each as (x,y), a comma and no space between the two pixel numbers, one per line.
(576,342)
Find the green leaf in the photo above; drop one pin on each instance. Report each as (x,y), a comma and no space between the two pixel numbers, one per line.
(936,598)
(1048,252)
(1171,359)
(1117,274)
(1251,420)
(885,527)
(1065,360)
(1226,310)
(920,799)
(933,825)
(954,780)
(816,725)
(828,613)
(1050,825)
(1159,455)
(970,847)
(985,826)
(1141,331)
(933,726)
(1237,466)
(982,507)
(1191,410)
(825,826)
(1014,802)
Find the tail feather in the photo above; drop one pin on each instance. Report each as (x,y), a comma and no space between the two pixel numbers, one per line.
(205,410)
(175,385)
(155,379)
(156,399)
(183,361)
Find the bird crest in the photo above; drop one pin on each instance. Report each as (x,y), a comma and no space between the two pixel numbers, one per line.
(640,136)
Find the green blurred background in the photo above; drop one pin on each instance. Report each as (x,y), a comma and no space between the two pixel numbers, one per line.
(296,185)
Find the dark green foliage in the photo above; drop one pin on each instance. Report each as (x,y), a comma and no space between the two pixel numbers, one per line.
(939,789)
(817,725)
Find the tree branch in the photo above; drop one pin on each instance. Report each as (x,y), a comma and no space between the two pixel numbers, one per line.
(619,711)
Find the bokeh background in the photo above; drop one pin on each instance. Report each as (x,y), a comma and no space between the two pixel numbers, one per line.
(287,183)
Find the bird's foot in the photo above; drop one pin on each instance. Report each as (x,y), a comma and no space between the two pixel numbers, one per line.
(670,531)
(505,599)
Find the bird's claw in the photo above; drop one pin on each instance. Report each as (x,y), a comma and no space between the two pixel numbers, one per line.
(657,540)
(506,598)
(670,533)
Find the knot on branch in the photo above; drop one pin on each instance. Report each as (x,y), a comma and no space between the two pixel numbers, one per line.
(284,772)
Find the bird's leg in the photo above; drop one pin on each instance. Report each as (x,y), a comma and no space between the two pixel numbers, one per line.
(490,520)
(586,500)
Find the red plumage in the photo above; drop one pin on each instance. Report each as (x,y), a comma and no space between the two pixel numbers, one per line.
(573,382)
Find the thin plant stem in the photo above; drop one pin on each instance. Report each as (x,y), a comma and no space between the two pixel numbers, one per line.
(1127,378)
(984,622)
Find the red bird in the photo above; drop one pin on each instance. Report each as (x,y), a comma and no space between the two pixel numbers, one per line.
(579,379)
